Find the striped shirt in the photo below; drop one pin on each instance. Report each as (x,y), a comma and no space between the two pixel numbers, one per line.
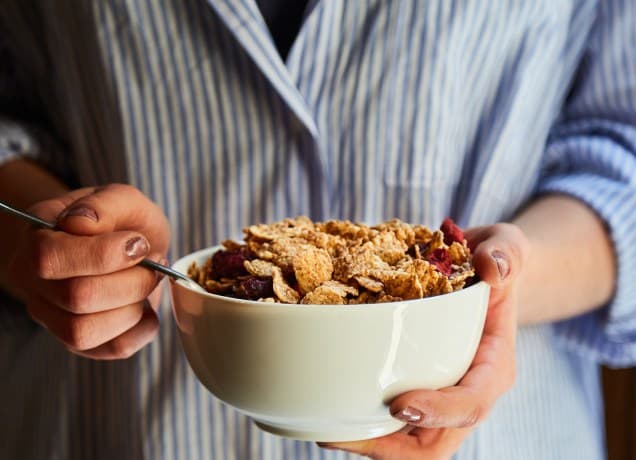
(411,109)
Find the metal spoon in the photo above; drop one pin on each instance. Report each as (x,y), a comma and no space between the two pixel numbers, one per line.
(177,276)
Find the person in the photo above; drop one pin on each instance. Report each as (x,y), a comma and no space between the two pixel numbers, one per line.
(153,129)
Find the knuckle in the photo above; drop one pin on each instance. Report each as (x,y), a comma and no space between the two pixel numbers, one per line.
(425,405)
(473,418)
(79,295)
(517,238)
(126,189)
(45,258)
(515,232)
(500,227)
(123,349)
(511,240)
(507,230)
(77,333)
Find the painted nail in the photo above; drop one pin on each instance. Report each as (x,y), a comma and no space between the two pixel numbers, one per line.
(137,247)
(502,263)
(409,415)
(81,211)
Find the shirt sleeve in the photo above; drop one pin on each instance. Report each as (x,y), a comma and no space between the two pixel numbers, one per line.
(591,155)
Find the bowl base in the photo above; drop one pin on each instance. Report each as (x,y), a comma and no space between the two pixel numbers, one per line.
(333,434)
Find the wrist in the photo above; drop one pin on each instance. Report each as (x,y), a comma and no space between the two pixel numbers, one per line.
(529,280)
(22,184)
(571,266)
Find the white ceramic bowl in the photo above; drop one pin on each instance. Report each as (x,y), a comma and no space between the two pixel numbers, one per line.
(325,373)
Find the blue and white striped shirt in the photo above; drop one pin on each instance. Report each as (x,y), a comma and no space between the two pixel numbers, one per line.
(411,109)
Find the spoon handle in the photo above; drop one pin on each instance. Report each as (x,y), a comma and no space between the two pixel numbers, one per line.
(165,270)
(34,220)
(47,225)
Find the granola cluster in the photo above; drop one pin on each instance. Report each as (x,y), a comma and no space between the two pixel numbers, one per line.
(338,262)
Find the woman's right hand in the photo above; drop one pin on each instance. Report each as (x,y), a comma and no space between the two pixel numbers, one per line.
(83,283)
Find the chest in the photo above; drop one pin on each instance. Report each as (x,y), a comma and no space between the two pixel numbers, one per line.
(374,97)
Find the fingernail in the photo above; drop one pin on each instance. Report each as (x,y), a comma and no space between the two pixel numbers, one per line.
(137,247)
(81,211)
(502,263)
(409,415)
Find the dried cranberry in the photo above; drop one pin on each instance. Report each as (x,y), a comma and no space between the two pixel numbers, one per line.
(440,257)
(228,264)
(254,288)
(247,253)
(451,232)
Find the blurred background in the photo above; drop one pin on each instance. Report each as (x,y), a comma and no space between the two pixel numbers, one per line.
(620,413)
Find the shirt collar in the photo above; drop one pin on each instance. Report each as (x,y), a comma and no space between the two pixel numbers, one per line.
(244,20)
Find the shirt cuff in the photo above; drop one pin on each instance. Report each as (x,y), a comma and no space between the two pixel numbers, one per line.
(607,335)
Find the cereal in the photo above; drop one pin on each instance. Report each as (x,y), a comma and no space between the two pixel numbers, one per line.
(231,245)
(404,283)
(388,247)
(258,267)
(284,292)
(330,292)
(358,261)
(459,253)
(401,230)
(369,284)
(340,288)
(221,287)
(284,250)
(339,262)
(312,267)
(324,295)
(292,227)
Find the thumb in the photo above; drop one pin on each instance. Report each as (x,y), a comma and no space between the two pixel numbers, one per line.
(50,210)
(104,209)
(499,253)
(116,207)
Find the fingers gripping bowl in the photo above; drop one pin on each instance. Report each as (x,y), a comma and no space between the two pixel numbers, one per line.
(325,372)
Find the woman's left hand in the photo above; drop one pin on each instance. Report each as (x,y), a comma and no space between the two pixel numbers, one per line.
(438,421)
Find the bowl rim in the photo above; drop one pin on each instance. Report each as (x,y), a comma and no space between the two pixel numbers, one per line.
(174,284)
